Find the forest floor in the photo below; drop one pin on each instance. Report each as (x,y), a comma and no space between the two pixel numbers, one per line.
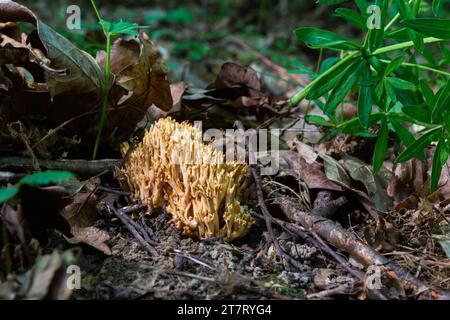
(195,46)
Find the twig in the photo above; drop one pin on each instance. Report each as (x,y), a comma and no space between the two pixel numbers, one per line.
(194,259)
(344,240)
(112,191)
(80,167)
(315,240)
(131,227)
(342,289)
(267,216)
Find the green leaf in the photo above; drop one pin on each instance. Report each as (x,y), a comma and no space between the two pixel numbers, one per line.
(8,193)
(436,6)
(419,113)
(329,81)
(353,126)
(85,77)
(381,146)
(362,6)
(365,98)
(428,94)
(393,65)
(390,90)
(375,36)
(401,84)
(45,177)
(319,38)
(419,145)
(438,28)
(121,27)
(318,120)
(445,52)
(442,100)
(405,136)
(352,17)
(338,94)
(439,160)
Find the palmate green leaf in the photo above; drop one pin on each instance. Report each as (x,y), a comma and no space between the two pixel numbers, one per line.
(439,160)
(365,97)
(121,27)
(319,38)
(351,76)
(329,81)
(352,17)
(419,145)
(381,146)
(438,28)
(45,177)
(8,193)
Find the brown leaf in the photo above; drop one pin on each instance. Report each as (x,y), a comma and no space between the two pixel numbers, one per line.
(311,173)
(138,70)
(234,76)
(53,208)
(48,278)
(81,214)
(413,178)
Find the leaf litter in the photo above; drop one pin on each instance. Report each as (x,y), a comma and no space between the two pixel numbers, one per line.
(51,227)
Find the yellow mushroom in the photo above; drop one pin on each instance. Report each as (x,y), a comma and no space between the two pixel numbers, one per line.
(202,192)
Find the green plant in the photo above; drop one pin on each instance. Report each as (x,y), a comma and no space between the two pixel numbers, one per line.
(36,179)
(396,85)
(110,30)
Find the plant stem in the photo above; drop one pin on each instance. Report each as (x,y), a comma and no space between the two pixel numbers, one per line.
(403,45)
(390,23)
(105,95)
(407,64)
(98,16)
(299,96)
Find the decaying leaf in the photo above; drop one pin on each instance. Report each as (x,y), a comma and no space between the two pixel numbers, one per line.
(413,178)
(51,77)
(47,279)
(137,67)
(375,183)
(81,214)
(236,92)
(54,208)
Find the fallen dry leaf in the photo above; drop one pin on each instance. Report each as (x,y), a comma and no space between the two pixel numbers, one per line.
(413,178)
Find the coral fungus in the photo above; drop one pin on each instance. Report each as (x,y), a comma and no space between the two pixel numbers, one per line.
(201,190)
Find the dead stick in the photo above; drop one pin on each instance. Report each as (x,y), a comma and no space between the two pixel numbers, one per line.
(344,240)
(267,217)
(80,167)
(315,240)
(122,216)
